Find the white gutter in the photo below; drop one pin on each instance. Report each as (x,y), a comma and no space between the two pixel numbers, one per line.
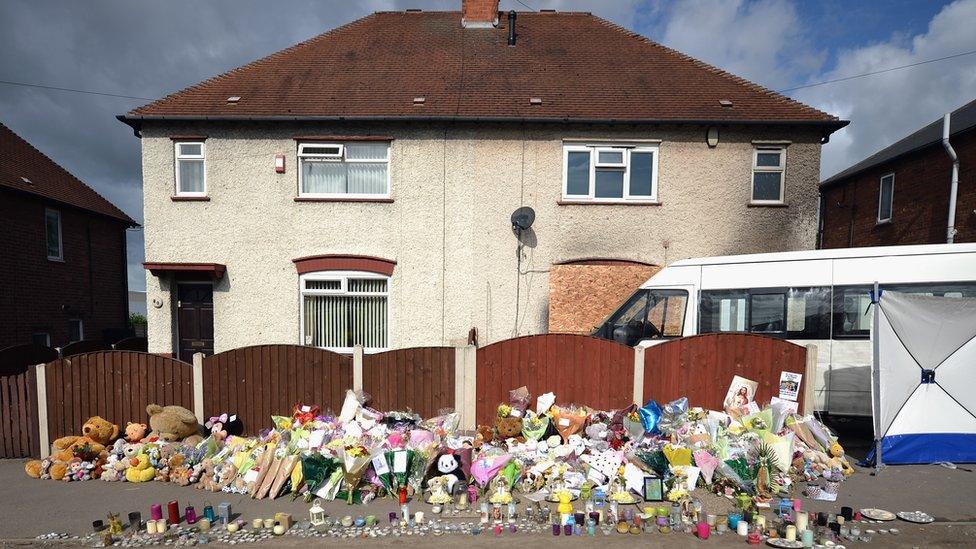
(954,189)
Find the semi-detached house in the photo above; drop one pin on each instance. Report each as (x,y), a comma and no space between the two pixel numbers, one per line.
(358,188)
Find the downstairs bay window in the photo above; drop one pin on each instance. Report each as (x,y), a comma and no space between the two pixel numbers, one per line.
(341,309)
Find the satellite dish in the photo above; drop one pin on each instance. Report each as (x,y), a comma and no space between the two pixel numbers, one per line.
(522,219)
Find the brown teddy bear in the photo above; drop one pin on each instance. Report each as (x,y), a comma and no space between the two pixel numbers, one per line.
(97,432)
(509,427)
(135,432)
(173,424)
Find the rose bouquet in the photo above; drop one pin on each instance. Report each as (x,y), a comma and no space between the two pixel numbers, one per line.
(354,459)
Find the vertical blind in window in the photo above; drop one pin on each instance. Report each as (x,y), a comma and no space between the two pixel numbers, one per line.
(340,318)
(363,169)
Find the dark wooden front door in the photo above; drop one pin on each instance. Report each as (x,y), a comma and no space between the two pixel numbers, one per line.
(195,312)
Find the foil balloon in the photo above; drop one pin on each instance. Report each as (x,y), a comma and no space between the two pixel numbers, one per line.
(650,415)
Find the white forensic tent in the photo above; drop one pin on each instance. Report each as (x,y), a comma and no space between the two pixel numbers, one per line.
(924,379)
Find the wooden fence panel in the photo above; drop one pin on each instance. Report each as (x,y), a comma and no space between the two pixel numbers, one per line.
(84,346)
(18,412)
(420,379)
(701,367)
(579,369)
(264,380)
(117,385)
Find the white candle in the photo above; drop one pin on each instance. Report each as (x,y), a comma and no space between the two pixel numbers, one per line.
(742,528)
(802,521)
(791,533)
(418,517)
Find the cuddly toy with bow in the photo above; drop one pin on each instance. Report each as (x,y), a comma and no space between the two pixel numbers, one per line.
(224,425)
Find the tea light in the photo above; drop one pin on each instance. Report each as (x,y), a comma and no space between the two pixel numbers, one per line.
(232,527)
(370,520)
(742,528)
(790,533)
(269,523)
(710,520)
(436,509)
(203,524)
(347,521)
(279,529)
(418,517)
(257,523)
(721,527)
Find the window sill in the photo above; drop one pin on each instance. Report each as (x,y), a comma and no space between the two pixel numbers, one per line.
(767,205)
(190,198)
(56,259)
(608,203)
(339,199)
(883,223)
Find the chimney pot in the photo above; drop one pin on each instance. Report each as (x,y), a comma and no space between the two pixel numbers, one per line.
(481,14)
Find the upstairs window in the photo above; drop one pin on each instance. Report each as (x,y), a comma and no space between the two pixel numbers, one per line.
(190,172)
(768,169)
(52,229)
(344,170)
(344,309)
(76,330)
(610,173)
(886,194)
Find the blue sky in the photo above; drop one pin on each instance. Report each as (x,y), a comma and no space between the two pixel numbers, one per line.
(148,49)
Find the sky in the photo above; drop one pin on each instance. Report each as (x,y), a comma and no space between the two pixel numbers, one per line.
(147,49)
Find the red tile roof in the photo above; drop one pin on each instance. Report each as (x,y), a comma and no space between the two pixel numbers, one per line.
(583,68)
(24,168)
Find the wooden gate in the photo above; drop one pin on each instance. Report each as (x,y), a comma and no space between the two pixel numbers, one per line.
(117,385)
(420,379)
(258,382)
(18,412)
(701,367)
(579,369)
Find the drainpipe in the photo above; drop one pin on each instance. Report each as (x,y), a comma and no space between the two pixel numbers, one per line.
(954,189)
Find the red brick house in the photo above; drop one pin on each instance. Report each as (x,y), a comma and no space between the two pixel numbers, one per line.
(63,268)
(900,195)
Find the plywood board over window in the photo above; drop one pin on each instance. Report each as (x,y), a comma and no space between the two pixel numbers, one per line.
(583,292)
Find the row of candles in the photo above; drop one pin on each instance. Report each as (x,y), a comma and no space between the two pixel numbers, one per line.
(158,525)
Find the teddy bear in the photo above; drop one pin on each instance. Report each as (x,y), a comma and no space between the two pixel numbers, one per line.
(224,425)
(173,424)
(135,432)
(485,435)
(509,427)
(114,468)
(97,432)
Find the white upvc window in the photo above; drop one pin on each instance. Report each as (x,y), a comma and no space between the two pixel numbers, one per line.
(358,169)
(52,230)
(610,172)
(76,330)
(191,173)
(886,195)
(768,174)
(341,309)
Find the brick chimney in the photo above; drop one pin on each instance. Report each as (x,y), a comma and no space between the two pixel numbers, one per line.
(477,14)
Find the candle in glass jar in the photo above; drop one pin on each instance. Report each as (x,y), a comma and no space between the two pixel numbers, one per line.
(807,538)
(802,521)
(710,520)
(760,521)
(704,530)
(790,533)
(742,528)
(155,511)
(173,512)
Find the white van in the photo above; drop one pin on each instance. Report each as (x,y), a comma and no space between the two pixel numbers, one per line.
(821,297)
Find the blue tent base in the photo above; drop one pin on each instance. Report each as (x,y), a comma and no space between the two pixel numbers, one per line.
(925,448)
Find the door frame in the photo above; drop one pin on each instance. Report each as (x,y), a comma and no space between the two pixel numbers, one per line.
(176,310)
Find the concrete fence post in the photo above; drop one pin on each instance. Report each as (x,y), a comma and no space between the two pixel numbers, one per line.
(465,385)
(198,386)
(357,368)
(43,436)
(639,376)
(809,376)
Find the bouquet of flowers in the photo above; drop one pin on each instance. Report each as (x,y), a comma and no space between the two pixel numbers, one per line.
(569,420)
(354,459)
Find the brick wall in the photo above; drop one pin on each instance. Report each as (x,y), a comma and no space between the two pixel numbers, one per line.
(581,294)
(920,204)
(39,295)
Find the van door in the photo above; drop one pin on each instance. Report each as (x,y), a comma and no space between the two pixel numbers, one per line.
(653,315)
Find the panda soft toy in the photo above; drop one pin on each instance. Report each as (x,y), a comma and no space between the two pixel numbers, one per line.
(448,464)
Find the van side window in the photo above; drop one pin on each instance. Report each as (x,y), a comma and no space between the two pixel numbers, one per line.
(852,304)
(796,313)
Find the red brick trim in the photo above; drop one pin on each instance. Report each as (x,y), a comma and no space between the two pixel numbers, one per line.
(190,198)
(215,270)
(343,138)
(316,199)
(344,263)
(188,137)
(605,203)
(605,262)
